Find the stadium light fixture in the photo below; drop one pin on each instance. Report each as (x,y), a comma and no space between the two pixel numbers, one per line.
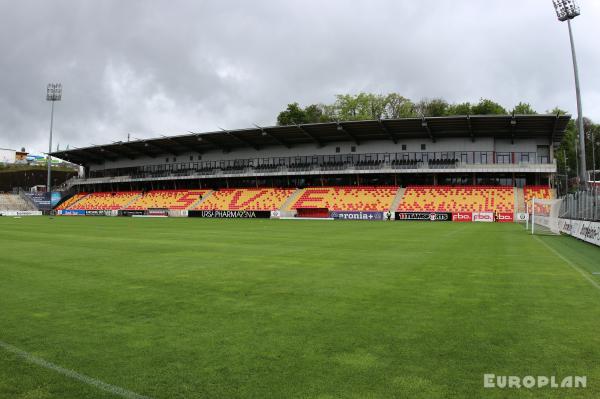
(566,10)
(53,94)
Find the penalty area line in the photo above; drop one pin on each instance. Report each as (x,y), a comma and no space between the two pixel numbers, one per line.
(115,390)
(568,262)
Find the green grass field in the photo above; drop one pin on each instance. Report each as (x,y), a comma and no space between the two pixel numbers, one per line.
(194,308)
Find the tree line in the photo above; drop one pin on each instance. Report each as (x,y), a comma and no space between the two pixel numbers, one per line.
(347,107)
(362,106)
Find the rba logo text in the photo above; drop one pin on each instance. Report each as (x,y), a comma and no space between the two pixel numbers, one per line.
(467,217)
(529,381)
(484,216)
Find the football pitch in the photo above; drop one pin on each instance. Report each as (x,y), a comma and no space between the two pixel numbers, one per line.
(195,308)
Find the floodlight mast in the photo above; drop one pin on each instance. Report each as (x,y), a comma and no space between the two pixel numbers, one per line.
(53,94)
(566,10)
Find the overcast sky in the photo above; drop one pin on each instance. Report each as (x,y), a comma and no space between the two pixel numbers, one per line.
(166,67)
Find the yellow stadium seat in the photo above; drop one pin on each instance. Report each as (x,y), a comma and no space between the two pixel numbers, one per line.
(167,199)
(246,199)
(71,201)
(458,199)
(362,198)
(106,200)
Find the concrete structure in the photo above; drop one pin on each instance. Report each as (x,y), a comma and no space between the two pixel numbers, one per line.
(483,149)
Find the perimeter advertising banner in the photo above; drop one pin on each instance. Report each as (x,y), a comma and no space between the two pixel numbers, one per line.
(483,216)
(44,201)
(21,213)
(158,212)
(462,217)
(582,229)
(230,214)
(72,212)
(357,215)
(132,212)
(505,217)
(97,213)
(425,216)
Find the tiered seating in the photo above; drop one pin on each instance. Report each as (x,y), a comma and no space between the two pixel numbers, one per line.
(362,198)
(458,199)
(106,200)
(167,199)
(247,199)
(14,202)
(69,202)
(541,192)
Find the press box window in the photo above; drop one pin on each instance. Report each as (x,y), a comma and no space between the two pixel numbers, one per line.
(337,149)
(403,147)
(423,146)
(353,149)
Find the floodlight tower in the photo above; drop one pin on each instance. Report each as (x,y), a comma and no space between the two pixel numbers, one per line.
(53,94)
(566,10)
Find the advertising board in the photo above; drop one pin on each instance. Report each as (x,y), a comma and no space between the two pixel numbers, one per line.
(505,217)
(72,212)
(230,214)
(425,216)
(462,217)
(21,213)
(357,215)
(44,201)
(158,212)
(97,213)
(581,229)
(132,212)
(483,216)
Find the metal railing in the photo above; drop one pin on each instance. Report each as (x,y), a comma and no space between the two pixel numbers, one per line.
(582,205)
(369,161)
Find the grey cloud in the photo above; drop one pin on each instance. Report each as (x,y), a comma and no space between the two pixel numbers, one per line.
(150,68)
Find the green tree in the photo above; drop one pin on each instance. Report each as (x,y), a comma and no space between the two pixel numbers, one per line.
(488,107)
(292,114)
(592,144)
(397,107)
(371,106)
(567,147)
(315,114)
(346,107)
(433,107)
(459,109)
(523,109)
(557,111)
(359,107)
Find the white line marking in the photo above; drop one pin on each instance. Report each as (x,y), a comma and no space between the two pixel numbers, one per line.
(454,231)
(568,262)
(72,374)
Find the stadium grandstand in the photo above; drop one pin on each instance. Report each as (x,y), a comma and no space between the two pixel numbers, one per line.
(15,202)
(480,163)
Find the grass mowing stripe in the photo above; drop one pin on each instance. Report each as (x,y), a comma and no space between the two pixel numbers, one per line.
(237,309)
(568,262)
(72,374)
